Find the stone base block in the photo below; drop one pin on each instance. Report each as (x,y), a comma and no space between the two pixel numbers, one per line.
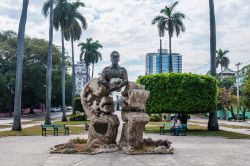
(132,131)
(103,130)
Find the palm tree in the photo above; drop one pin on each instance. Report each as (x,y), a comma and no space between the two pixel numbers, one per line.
(213,121)
(221,59)
(61,16)
(96,57)
(49,63)
(90,52)
(19,68)
(170,21)
(73,33)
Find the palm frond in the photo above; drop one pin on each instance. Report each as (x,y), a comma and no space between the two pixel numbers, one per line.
(45,9)
(172,7)
(82,19)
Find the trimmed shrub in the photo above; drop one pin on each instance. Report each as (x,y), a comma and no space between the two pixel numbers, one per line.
(78,117)
(180,93)
(78,105)
(155,118)
(79,140)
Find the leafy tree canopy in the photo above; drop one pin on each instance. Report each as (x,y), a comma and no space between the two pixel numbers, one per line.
(34,72)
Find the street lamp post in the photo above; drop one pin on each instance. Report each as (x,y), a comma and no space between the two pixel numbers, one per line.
(238,90)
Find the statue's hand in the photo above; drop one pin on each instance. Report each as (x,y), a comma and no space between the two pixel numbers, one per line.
(114,88)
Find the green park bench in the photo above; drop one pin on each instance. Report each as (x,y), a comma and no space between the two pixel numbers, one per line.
(182,130)
(61,127)
(165,127)
(46,128)
(168,127)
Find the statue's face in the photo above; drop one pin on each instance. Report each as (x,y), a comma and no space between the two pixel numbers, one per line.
(115,57)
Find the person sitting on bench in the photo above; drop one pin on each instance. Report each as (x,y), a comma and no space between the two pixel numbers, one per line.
(177,126)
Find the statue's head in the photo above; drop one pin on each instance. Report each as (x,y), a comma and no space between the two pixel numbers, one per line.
(115,58)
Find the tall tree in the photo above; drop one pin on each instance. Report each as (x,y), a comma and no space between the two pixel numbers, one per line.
(49,62)
(221,59)
(19,69)
(170,21)
(74,33)
(61,16)
(246,94)
(213,121)
(90,52)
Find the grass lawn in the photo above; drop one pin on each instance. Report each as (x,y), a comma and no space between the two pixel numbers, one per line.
(42,119)
(36,130)
(196,130)
(71,122)
(159,123)
(4,126)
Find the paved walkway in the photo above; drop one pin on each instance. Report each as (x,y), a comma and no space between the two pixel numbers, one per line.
(225,122)
(8,121)
(241,131)
(203,122)
(189,151)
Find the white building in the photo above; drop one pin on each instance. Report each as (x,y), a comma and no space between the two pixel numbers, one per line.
(81,76)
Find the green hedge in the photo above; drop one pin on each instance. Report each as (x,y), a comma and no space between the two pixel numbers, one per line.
(78,105)
(78,117)
(155,118)
(180,93)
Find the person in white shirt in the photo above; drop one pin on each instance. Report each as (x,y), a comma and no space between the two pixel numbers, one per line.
(177,127)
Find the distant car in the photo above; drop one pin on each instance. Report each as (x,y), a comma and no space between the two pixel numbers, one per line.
(55,109)
(69,108)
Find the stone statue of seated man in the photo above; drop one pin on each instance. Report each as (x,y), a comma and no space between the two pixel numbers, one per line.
(98,103)
(114,77)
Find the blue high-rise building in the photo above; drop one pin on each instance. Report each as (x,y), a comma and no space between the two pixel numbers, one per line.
(153,62)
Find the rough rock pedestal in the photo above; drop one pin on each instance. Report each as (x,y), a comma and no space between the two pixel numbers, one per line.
(134,116)
(132,130)
(98,106)
(103,130)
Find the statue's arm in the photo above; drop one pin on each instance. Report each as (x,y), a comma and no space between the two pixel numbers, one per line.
(124,80)
(103,78)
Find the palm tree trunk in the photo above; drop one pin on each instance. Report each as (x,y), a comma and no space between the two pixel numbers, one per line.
(73,77)
(221,71)
(19,69)
(160,56)
(49,67)
(92,70)
(64,119)
(232,113)
(87,72)
(225,114)
(244,114)
(213,121)
(170,54)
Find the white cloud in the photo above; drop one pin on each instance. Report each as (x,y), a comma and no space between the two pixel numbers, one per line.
(125,25)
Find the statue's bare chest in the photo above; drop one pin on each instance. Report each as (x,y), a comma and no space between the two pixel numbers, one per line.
(114,73)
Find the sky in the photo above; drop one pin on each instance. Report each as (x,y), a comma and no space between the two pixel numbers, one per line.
(125,26)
